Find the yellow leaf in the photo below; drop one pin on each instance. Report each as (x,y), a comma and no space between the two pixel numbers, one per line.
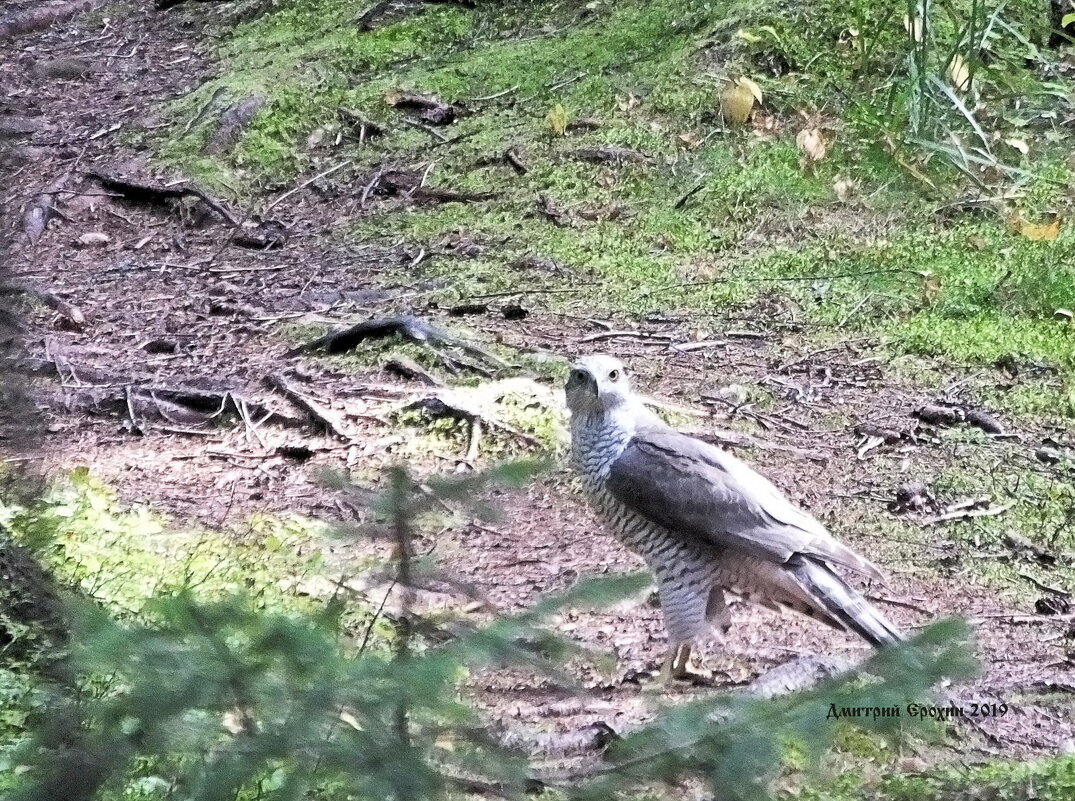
(812,145)
(1044,232)
(959,73)
(556,119)
(392,96)
(755,90)
(736,103)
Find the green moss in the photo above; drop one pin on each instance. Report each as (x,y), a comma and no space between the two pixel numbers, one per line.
(122,557)
(1044,780)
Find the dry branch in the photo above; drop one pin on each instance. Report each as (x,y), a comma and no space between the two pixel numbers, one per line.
(402,183)
(950,415)
(610,155)
(968,512)
(430,109)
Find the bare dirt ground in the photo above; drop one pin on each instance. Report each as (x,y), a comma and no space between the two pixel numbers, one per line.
(168,302)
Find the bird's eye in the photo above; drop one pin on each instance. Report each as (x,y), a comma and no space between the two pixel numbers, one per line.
(614,375)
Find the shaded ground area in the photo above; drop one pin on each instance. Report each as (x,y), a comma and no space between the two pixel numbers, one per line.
(165,300)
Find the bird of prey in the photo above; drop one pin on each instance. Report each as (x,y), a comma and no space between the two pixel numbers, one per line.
(704,521)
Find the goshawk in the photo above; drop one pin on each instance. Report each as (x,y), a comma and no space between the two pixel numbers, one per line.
(704,521)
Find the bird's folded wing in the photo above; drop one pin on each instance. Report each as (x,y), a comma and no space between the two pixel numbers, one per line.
(696,490)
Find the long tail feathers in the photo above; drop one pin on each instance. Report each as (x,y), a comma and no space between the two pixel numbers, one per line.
(846,606)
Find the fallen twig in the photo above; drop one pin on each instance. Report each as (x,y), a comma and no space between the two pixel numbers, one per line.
(610,154)
(604,335)
(1045,587)
(306,183)
(493,96)
(965,514)
(690,193)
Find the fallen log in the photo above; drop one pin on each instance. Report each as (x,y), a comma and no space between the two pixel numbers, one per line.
(37,19)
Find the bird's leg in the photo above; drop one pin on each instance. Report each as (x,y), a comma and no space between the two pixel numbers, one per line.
(675,666)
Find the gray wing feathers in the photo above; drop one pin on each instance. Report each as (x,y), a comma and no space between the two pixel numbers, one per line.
(697,490)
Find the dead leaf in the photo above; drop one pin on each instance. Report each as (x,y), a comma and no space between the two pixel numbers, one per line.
(392,97)
(812,145)
(737,100)
(690,139)
(93,239)
(607,179)
(1045,232)
(959,73)
(1019,144)
(755,90)
(347,717)
(844,188)
(665,243)
(766,126)
(235,722)
(631,101)
(930,286)
(556,119)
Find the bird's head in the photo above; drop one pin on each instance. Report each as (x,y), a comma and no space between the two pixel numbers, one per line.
(597,384)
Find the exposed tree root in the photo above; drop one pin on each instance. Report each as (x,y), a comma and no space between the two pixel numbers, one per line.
(159,195)
(412,329)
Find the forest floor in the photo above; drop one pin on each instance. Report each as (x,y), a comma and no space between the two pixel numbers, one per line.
(765,303)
